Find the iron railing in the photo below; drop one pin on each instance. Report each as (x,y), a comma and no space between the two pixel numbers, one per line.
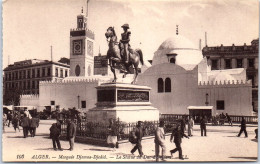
(101,131)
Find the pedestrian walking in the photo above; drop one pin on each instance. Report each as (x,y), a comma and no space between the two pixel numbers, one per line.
(182,124)
(9,118)
(203,126)
(112,134)
(190,126)
(229,119)
(55,132)
(139,136)
(34,123)
(159,141)
(71,133)
(177,136)
(25,124)
(15,123)
(243,127)
(4,121)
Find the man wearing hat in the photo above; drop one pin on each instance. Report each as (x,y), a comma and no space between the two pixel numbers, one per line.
(124,43)
(139,136)
(159,141)
(176,137)
(71,132)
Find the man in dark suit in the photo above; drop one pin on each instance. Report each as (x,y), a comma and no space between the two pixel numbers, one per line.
(203,122)
(139,136)
(33,125)
(55,132)
(177,134)
(9,118)
(25,124)
(182,121)
(71,133)
(243,127)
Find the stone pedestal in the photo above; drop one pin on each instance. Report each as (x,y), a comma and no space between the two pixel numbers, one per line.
(129,103)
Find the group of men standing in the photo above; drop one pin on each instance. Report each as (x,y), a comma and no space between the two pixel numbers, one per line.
(55,133)
(29,124)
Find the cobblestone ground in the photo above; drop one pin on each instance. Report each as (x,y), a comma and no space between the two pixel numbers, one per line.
(221,144)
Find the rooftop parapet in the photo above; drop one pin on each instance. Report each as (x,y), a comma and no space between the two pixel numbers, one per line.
(70,81)
(30,96)
(225,83)
(82,32)
(80,29)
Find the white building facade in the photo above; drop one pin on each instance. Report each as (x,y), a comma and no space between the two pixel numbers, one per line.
(181,78)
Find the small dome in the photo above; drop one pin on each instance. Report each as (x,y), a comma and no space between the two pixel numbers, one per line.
(223,76)
(181,49)
(177,42)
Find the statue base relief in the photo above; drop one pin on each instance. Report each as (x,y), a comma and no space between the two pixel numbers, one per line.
(126,102)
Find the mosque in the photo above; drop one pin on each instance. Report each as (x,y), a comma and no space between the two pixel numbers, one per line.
(180,79)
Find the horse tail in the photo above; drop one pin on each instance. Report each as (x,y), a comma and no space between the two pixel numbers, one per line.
(140,55)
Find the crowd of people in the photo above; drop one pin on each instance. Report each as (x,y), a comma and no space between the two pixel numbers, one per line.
(221,119)
(28,122)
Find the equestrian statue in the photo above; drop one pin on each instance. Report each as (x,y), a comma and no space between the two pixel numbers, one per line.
(121,55)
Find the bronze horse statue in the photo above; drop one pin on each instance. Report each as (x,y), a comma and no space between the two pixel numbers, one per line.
(115,59)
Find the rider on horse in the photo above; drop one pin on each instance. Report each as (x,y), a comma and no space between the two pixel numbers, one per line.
(125,47)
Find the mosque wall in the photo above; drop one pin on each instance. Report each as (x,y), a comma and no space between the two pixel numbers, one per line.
(29,100)
(236,95)
(68,94)
(185,91)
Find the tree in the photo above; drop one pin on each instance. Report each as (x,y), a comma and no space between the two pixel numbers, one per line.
(64,60)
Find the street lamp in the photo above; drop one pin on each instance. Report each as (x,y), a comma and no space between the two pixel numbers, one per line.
(78,101)
(207,102)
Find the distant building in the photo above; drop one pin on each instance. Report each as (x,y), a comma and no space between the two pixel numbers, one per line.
(101,65)
(230,57)
(23,77)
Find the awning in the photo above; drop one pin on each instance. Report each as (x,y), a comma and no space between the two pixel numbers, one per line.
(200,107)
(9,107)
(27,107)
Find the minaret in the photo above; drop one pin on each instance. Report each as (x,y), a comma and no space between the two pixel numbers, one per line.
(81,48)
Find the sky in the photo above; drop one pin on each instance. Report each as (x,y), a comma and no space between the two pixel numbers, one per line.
(30,27)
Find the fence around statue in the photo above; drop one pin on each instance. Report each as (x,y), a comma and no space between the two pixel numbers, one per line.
(100,131)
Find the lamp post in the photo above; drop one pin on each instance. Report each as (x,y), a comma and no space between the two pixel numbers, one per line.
(207,102)
(78,101)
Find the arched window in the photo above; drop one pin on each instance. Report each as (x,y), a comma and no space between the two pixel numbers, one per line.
(168,86)
(160,85)
(172,60)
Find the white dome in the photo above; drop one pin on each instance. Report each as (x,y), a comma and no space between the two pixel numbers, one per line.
(183,49)
(177,42)
(223,76)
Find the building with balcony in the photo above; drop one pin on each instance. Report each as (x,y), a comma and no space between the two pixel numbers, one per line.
(230,57)
(23,77)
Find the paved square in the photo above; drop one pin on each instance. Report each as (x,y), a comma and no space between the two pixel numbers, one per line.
(221,144)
